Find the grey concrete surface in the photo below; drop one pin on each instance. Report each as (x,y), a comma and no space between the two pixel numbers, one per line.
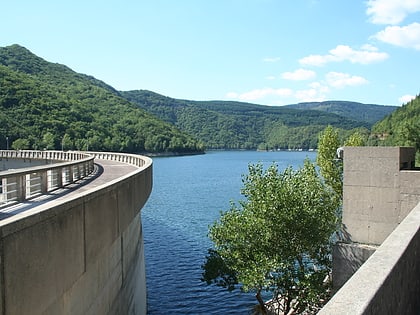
(389,281)
(79,250)
(376,264)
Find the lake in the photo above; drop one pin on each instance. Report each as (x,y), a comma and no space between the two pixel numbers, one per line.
(188,194)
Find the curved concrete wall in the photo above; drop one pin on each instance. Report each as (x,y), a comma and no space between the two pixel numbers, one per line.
(82,256)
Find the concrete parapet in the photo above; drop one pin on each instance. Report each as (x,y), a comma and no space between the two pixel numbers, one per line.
(389,281)
(83,255)
(348,257)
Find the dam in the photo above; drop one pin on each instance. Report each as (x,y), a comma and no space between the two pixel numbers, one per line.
(71,236)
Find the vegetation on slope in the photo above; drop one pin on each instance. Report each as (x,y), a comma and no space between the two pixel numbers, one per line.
(402,127)
(49,106)
(369,113)
(236,125)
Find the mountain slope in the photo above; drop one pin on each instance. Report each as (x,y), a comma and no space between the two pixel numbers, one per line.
(236,125)
(401,127)
(369,113)
(47,105)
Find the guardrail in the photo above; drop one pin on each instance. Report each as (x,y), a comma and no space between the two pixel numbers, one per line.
(133,159)
(18,185)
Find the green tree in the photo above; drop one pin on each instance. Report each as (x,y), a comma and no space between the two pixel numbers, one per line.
(21,144)
(330,167)
(66,142)
(48,140)
(277,240)
(356,139)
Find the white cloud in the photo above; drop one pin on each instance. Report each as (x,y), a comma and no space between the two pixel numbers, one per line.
(270,77)
(316,93)
(391,11)
(299,75)
(232,95)
(340,80)
(321,88)
(366,55)
(271,59)
(403,36)
(260,94)
(406,98)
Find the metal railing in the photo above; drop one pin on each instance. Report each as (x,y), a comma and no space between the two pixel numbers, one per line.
(18,185)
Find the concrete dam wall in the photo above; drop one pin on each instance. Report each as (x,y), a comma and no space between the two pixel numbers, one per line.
(81,255)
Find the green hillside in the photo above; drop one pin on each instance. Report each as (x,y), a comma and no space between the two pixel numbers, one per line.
(370,113)
(237,125)
(48,106)
(402,127)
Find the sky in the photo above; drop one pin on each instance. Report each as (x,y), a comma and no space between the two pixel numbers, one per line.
(270,52)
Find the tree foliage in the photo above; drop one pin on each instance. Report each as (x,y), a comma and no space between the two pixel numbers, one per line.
(277,239)
(49,106)
(401,128)
(371,113)
(330,167)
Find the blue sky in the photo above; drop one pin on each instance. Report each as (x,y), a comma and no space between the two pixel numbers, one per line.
(269,52)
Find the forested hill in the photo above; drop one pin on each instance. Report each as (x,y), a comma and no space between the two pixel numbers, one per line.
(45,105)
(370,113)
(401,127)
(237,125)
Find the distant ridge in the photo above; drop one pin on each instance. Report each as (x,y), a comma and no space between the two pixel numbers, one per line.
(370,113)
(239,125)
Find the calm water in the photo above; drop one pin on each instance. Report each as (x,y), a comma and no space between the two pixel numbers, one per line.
(188,194)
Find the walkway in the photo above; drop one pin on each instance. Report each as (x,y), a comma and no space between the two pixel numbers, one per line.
(105,171)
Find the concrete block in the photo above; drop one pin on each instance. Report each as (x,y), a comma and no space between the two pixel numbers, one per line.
(356,230)
(347,259)
(379,231)
(1,283)
(127,205)
(356,178)
(410,182)
(144,184)
(100,279)
(389,281)
(135,274)
(101,220)
(131,238)
(384,173)
(406,204)
(34,258)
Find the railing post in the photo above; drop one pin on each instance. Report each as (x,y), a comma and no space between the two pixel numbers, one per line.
(44,181)
(71,174)
(21,187)
(59,177)
(4,189)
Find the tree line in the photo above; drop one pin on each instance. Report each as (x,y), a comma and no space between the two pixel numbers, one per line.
(237,125)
